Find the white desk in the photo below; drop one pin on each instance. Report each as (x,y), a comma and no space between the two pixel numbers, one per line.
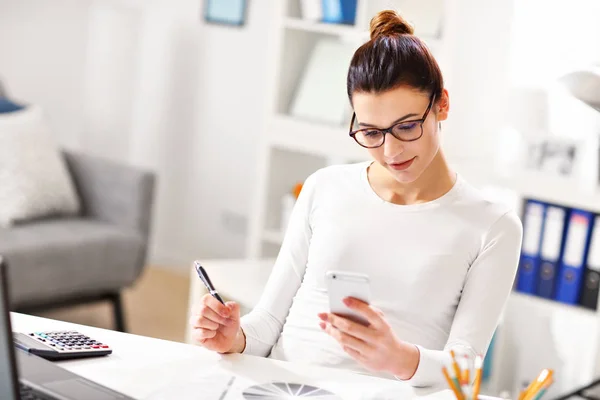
(141,367)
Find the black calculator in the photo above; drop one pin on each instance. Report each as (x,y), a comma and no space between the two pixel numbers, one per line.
(60,345)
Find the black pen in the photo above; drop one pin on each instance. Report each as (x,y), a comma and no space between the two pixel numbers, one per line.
(206,280)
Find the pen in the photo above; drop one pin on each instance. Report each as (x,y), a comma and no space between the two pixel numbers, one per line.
(206,280)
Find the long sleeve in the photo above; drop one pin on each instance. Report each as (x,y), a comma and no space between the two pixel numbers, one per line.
(484,296)
(263,325)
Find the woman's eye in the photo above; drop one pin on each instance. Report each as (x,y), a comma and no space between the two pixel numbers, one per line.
(407,127)
(372,133)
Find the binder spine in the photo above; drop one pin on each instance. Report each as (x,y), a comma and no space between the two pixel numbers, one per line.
(591,278)
(529,263)
(572,265)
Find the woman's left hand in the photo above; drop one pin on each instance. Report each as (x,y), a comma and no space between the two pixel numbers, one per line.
(375,346)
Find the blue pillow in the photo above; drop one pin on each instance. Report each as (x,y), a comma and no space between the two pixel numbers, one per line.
(7,106)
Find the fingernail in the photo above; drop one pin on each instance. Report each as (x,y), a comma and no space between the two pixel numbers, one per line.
(347,301)
(322,325)
(323,316)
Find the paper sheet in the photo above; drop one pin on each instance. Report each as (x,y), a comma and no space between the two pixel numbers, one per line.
(217,385)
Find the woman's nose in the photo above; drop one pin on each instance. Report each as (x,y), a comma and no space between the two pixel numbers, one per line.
(392,146)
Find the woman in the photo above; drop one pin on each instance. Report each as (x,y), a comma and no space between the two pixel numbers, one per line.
(440,258)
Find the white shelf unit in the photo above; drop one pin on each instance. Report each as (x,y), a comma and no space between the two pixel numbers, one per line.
(535,332)
(291,147)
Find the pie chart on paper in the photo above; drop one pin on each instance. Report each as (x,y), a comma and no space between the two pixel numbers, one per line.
(285,390)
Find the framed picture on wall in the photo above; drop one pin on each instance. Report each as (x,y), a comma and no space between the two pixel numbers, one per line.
(227,12)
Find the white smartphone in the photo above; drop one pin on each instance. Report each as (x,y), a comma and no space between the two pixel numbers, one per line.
(342,284)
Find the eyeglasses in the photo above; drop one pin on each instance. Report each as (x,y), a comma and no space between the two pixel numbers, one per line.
(406,131)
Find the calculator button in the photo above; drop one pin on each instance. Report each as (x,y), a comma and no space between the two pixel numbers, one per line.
(60,348)
(104,347)
(87,347)
(52,344)
(96,347)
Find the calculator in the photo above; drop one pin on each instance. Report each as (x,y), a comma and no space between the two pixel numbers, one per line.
(60,345)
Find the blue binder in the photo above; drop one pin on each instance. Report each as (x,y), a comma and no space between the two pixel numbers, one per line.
(591,277)
(529,263)
(555,223)
(339,11)
(572,264)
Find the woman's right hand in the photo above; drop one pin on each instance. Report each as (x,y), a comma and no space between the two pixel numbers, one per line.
(217,327)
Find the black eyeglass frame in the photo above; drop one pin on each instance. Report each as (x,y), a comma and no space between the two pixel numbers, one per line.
(389,130)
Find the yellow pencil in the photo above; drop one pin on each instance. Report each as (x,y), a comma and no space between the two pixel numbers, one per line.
(528,388)
(457,370)
(465,367)
(452,384)
(545,387)
(538,383)
(478,375)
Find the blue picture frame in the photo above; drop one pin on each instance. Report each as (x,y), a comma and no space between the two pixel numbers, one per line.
(226,12)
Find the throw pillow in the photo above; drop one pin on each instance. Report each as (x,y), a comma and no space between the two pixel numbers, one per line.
(34,179)
(8,106)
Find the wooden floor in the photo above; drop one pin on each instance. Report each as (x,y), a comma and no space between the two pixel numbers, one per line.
(155,306)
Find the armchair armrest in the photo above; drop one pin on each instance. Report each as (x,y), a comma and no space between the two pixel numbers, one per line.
(118,194)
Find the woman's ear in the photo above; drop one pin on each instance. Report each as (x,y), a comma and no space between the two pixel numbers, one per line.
(443,106)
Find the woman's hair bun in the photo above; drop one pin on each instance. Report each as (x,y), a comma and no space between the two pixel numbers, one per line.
(389,23)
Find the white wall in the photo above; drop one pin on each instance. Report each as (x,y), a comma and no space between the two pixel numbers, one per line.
(42,58)
(149,83)
(197,117)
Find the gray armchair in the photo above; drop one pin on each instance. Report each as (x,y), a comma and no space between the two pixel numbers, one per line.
(64,261)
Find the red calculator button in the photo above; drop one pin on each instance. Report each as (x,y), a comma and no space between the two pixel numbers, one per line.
(96,347)
(104,347)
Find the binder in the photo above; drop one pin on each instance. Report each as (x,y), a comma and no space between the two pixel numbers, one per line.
(551,250)
(591,277)
(529,262)
(339,11)
(572,263)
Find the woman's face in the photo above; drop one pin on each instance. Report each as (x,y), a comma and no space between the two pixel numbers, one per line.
(405,161)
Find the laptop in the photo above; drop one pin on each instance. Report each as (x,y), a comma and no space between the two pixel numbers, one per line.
(24,376)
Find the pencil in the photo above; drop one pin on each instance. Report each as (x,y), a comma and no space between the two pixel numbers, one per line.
(453,383)
(478,374)
(465,368)
(538,383)
(457,371)
(528,388)
(463,363)
(544,389)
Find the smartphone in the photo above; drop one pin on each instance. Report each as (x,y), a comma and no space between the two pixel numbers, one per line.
(342,284)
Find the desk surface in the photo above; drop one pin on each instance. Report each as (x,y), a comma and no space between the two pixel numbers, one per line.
(147,368)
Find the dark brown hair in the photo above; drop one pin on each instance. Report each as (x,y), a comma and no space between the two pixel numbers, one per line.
(393,57)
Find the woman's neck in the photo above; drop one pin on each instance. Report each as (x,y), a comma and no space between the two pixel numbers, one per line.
(433,183)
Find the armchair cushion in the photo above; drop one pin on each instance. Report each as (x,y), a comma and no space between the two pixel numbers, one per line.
(64,257)
(34,180)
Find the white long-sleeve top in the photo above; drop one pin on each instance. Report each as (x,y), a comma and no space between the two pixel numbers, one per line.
(441,271)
